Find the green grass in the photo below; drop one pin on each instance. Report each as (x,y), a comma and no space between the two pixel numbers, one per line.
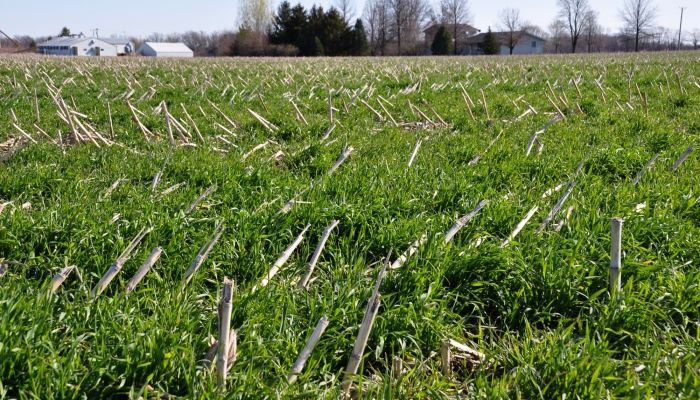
(539,308)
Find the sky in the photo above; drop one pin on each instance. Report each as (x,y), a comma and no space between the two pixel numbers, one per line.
(140,18)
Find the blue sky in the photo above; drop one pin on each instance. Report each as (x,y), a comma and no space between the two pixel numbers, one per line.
(140,18)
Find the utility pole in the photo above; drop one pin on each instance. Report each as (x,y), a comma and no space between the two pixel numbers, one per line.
(97,31)
(680,28)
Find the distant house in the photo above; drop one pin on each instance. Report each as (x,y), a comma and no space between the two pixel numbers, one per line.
(529,43)
(124,46)
(464,33)
(153,49)
(77,45)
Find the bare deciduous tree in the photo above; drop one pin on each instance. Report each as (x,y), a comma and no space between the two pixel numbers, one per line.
(694,37)
(346,9)
(417,14)
(395,27)
(557,33)
(573,14)
(255,19)
(378,21)
(173,37)
(255,15)
(155,37)
(639,17)
(511,26)
(407,17)
(455,12)
(591,29)
(25,40)
(399,16)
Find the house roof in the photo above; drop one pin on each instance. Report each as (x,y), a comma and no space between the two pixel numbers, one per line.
(533,35)
(167,47)
(432,29)
(479,38)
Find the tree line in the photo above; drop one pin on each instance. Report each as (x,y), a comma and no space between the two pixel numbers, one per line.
(396,27)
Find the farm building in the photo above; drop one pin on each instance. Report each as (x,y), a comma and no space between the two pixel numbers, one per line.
(77,46)
(124,46)
(153,49)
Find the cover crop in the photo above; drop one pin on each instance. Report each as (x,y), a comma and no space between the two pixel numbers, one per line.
(235,168)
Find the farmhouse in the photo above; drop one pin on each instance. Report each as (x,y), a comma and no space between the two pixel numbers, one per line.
(77,46)
(464,33)
(153,49)
(528,43)
(470,40)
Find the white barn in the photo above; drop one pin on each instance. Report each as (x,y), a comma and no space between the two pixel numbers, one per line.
(529,44)
(77,46)
(153,49)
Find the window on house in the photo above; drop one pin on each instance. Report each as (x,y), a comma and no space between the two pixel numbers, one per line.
(534,44)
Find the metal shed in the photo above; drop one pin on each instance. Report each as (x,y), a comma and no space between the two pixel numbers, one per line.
(77,46)
(154,49)
(124,46)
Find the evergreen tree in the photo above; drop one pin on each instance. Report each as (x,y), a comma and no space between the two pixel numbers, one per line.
(317,47)
(309,46)
(279,31)
(442,43)
(64,32)
(360,46)
(331,29)
(288,24)
(316,32)
(491,45)
(336,35)
(297,24)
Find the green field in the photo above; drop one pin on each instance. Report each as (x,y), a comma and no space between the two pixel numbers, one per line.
(539,309)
